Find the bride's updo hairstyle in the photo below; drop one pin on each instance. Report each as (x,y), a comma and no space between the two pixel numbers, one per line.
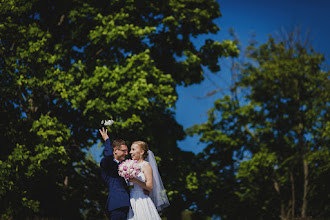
(144,146)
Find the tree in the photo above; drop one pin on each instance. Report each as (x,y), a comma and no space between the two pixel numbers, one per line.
(272,134)
(65,66)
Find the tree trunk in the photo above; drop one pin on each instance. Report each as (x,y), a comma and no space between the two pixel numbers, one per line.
(292,195)
(305,167)
(65,187)
(277,189)
(304,204)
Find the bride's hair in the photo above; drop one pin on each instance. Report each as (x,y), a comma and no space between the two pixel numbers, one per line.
(144,147)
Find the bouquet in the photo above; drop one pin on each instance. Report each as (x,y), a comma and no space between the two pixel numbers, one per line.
(107,122)
(129,169)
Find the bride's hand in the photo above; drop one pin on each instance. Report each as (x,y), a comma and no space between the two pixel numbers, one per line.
(132,180)
(146,192)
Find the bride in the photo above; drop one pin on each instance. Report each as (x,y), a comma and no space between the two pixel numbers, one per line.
(144,207)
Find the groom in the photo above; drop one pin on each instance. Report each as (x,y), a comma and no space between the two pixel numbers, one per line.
(118,200)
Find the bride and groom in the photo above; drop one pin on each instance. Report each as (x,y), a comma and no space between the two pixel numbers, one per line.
(148,195)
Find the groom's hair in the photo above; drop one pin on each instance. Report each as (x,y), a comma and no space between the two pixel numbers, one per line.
(117,143)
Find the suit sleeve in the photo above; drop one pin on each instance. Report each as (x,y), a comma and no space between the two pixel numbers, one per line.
(108,151)
(106,160)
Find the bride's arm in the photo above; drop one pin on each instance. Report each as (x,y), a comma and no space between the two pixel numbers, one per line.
(147,171)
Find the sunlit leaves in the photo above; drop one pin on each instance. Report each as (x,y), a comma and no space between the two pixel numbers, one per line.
(116,27)
(192,181)
(136,85)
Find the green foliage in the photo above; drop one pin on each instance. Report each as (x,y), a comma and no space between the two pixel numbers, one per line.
(261,162)
(192,181)
(67,65)
(267,135)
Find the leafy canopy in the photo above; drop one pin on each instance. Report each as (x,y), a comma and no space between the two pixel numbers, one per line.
(65,65)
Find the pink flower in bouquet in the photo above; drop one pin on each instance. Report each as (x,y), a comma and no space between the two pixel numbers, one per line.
(129,169)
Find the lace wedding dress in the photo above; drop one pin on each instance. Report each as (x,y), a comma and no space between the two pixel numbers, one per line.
(142,207)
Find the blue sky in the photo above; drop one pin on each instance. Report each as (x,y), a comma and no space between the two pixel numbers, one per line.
(246,17)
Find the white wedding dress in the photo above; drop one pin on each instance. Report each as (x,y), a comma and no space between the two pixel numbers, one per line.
(142,207)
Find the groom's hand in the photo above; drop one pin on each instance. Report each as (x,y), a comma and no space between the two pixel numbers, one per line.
(104,134)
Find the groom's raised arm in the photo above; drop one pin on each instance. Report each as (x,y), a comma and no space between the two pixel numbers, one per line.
(108,151)
(108,155)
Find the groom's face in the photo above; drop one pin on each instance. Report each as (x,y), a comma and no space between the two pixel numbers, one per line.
(120,152)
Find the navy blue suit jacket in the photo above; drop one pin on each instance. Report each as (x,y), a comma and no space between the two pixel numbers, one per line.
(118,189)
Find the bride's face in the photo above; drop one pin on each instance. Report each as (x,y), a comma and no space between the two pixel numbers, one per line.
(136,152)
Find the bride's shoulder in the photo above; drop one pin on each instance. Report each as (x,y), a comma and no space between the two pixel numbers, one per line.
(146,164)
